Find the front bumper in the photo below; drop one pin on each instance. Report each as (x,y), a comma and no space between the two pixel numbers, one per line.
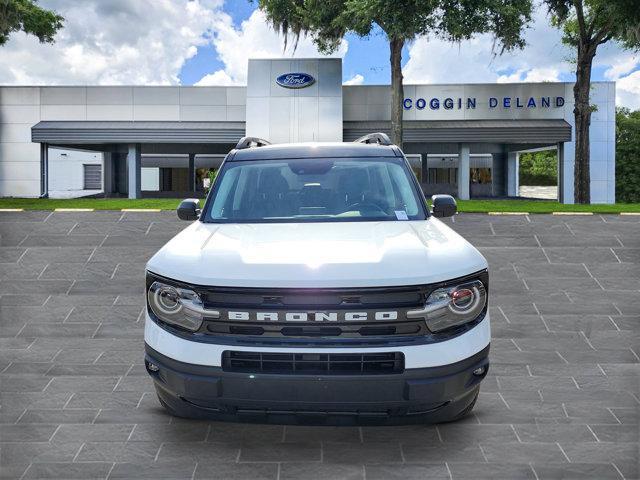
(416,356)
(433,394)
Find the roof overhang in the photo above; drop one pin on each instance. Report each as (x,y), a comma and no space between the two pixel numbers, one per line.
(59,132)
(422,131)
(473,131)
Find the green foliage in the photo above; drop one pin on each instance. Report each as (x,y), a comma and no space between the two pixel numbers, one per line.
(539,168)
(28,17)
(542,206)
(627,155)
(95,203)
(327,21)
(586,22)
(211,175)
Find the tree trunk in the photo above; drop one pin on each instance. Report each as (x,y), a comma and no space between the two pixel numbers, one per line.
(582,115)
(397,90)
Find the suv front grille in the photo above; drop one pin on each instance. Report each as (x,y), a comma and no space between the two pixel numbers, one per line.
(371,299)
(342,330)
(314,363)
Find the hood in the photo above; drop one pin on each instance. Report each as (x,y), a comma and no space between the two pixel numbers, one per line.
(316,255)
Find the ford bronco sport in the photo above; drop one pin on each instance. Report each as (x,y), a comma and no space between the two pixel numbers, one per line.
(316,285)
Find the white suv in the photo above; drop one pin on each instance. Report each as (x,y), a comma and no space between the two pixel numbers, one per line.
(315,285)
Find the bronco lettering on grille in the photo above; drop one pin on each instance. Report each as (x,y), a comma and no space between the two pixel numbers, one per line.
(311,316)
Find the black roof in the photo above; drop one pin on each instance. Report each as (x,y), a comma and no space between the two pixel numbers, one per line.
(311,150)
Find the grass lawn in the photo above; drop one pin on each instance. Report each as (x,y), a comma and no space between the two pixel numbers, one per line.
(540,206)
(477,206)
(95,203)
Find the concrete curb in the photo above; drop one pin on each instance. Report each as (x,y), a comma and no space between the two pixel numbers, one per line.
(507,213)
(142,210)
(571,213)
(74,210)
(11,209)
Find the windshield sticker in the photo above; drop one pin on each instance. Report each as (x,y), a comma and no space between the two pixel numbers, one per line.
(401,215)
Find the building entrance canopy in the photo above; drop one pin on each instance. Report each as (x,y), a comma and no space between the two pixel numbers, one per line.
(496,131)
(88,132)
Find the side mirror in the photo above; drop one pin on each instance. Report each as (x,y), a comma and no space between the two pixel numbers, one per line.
(189,209)
(443,206)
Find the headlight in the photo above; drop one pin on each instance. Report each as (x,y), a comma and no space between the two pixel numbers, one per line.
(176,306)
(452,306)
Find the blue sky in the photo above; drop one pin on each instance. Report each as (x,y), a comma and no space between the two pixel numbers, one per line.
(368,56)
(356,61)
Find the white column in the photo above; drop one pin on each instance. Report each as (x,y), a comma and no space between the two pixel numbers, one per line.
(513,166)
(463,171)
(134,165)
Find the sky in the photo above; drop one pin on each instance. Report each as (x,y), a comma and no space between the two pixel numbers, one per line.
(208,42)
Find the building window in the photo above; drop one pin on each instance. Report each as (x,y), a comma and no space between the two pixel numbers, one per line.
(443,175)
(480,175)
(92,177)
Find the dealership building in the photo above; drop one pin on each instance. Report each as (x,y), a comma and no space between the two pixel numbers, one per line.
(148,141)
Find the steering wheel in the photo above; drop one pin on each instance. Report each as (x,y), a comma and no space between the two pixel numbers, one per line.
(360,206)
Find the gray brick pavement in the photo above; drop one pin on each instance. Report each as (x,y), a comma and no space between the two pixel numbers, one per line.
(562,399)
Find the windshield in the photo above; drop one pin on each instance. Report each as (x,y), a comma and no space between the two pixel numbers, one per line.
(314,189)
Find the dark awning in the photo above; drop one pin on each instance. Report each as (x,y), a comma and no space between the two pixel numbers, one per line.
(475,131)
(136,132)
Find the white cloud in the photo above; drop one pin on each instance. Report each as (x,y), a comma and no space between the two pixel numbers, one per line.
(531,75)
(357,79)
(143,42)
(114,42)
(437,61)
(628,91)
(254,39)
(219,77)
(622,65)
(621,70)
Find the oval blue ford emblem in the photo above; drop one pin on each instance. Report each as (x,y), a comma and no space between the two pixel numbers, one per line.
(295,80)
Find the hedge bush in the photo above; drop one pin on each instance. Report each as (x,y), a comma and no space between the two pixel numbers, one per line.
(539,168)
(627,156)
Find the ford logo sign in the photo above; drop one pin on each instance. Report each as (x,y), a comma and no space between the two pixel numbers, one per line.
(295,80)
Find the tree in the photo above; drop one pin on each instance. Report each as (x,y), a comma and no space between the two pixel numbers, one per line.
(327,22)
(28,17)
(587,24)
(627,156)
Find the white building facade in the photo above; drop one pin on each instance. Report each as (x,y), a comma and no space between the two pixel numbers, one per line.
(162,141)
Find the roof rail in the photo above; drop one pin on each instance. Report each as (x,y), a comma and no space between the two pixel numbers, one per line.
(248,142)
(378,137)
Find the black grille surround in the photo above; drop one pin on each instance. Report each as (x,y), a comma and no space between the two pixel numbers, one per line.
(373,333)
(313,363)
(361,330)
